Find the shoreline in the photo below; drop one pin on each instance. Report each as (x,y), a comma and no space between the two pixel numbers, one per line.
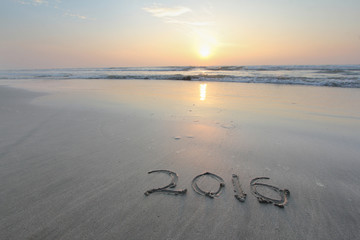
(344,76)
(74,159)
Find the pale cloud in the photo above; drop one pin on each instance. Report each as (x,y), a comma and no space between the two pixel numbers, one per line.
(76,16)
(54,4)
(194,23)
(158,11)
(175,15)
(40,1)
(33,2)
(190,23)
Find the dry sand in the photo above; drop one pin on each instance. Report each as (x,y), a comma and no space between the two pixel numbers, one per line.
(74,157)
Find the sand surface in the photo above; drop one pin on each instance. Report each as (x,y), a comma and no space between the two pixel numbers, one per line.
(74,157)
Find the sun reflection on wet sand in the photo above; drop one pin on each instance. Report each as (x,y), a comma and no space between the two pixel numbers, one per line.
(203,91)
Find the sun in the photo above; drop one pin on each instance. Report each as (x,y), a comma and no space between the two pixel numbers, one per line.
(204,51)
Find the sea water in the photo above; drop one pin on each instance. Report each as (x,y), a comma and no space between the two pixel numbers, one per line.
(318,75)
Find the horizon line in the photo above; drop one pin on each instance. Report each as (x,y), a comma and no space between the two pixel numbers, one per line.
(194,66)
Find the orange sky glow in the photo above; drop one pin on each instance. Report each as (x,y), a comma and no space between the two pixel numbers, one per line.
(60,33)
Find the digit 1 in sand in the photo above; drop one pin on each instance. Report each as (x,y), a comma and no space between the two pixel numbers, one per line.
(239,193)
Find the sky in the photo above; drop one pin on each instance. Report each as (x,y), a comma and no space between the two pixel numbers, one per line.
(115,33)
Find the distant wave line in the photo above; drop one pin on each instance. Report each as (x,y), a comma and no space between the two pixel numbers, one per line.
(317,75)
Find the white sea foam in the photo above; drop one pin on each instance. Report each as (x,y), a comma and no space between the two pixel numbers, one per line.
(325,75)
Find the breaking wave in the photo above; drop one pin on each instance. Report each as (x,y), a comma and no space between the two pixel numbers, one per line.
(329,75)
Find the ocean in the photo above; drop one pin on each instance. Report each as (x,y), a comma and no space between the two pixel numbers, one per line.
(347,76)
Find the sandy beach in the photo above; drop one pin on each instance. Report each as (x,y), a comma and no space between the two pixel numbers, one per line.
(74,157)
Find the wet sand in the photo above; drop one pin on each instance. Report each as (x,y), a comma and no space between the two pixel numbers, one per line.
(74,157)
